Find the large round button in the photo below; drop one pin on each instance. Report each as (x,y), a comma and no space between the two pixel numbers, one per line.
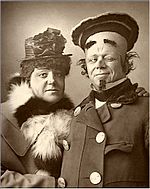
(77,111)
(100,137)
(95,178)
(65,145)
(116,105)
(61,182)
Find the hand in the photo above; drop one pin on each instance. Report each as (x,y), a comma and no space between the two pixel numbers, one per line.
(141,91)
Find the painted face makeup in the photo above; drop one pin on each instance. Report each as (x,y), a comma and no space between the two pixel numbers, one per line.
(103,59)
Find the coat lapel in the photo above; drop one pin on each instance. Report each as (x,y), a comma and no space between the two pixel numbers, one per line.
(90,117)
(12,133)
(104,113)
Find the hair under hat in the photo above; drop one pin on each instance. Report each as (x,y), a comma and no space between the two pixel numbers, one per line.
(120,23)
(45,50)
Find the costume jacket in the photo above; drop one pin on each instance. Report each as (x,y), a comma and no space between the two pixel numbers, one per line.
(109,145)
(31,138)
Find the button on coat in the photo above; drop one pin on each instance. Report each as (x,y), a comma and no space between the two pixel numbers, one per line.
(95,178)
(100,137)
(66,145)
(116,105)
(102,141)
(61,182)
(77,111)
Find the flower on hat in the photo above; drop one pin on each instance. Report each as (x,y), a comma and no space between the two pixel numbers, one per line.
(45,50)
(50,42)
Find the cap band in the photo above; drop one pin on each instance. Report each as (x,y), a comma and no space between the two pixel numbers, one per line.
(102,27)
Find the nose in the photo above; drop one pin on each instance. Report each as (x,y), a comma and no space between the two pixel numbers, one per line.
(101,62)
(50,78)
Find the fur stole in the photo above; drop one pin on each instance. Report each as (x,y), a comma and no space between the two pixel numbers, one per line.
(44,126)
(46,133)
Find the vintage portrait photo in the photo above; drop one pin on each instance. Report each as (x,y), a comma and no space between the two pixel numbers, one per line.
(75,94)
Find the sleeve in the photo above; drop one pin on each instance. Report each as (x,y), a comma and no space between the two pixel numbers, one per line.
(146,125)
(146,137)
(15,179)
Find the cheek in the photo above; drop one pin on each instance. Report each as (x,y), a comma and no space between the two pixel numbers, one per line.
(114,66)
(61,84)
(116,71)
(90,69)
(37,86)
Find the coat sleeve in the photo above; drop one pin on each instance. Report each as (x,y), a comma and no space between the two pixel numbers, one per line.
(15,179)
(146,122)
(146,137)
(13,172)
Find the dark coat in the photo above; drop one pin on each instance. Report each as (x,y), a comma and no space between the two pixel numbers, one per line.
(110,142)
(20,168)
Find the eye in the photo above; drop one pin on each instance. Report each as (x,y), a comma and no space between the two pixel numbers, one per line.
(58,74)
(43,75)
(109,59)
(92,60)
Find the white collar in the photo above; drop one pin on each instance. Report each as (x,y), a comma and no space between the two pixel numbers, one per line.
(110,85)
(98,103)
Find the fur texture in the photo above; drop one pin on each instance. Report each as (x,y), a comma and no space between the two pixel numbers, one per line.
(19,95)
(45,133)
(43,125)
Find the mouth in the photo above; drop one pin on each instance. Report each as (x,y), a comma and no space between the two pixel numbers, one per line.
(51,90)
(102,74)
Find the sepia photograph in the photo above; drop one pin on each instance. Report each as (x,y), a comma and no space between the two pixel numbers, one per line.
(75,94)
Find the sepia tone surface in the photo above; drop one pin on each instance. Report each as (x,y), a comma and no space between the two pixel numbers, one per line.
(21,20)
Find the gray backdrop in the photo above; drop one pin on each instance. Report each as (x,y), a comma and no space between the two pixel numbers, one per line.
(21,20)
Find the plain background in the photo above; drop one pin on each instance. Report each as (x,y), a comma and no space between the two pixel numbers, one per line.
(20,20)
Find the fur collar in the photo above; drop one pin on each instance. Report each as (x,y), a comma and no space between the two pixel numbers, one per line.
(24,104)
(46,133)
(43,126)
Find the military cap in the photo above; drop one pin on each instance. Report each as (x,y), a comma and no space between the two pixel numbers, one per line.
(120,23)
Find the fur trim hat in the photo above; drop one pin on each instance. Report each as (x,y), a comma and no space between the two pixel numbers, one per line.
(45,50)
(120,23)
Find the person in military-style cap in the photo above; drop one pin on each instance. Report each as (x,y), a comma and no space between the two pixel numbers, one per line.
(36,117)
(108,142)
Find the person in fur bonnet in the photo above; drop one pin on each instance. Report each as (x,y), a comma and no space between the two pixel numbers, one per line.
(36,117)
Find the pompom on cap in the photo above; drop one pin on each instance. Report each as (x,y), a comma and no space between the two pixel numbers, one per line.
(120,23)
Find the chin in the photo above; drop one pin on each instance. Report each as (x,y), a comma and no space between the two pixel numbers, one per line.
(52,99)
